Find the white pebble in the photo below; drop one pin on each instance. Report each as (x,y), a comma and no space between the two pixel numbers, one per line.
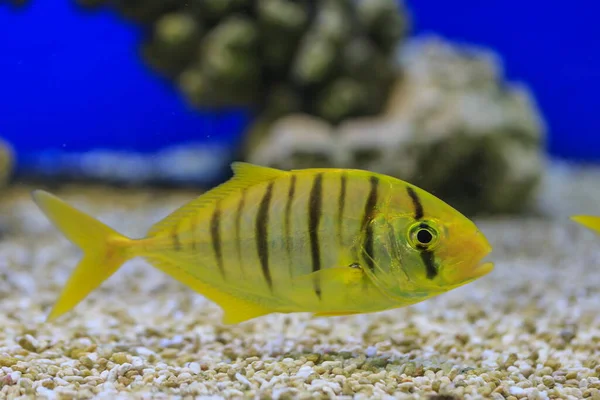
(47,393)
(371,351)
(515,390)
(144,351)
(70,363)
(60,381)
(85,342)
(123,368)
(14,376)
(195,367)
(304,372)
(243,379)
(177,339)
(113,374)
(321,383)
(137,362)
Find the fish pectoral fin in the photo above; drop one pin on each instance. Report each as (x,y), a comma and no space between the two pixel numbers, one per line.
(235,310)
(340,280)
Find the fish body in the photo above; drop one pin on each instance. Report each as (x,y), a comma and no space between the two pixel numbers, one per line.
(325,241)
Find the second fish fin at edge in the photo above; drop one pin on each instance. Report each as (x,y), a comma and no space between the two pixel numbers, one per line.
(589,221)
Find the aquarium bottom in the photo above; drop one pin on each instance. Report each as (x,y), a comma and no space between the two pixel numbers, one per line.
(529,329)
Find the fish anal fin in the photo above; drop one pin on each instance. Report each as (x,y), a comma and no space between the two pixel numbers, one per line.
(245,175)
(235,310)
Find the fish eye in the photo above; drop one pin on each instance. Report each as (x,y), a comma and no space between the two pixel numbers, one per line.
(423,235)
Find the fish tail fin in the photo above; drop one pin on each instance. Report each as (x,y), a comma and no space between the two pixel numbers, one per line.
(104,250)
(589,221)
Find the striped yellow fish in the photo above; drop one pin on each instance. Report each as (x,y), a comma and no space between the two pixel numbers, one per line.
(325,241)
(589,221)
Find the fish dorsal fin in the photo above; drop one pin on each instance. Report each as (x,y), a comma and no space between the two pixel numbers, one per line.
(253,174)
(245,175)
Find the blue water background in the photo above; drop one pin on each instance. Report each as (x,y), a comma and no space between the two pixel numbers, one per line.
(73,80)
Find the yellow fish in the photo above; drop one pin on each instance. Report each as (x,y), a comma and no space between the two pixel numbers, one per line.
(588,221)
(325,241)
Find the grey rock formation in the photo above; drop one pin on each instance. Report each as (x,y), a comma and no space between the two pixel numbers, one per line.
(334,58)
(452,125)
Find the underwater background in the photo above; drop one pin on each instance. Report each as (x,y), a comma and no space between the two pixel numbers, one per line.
(88,83)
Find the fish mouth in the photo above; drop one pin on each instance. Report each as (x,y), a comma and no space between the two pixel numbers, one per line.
(485,266)
(473,274)
(482,269)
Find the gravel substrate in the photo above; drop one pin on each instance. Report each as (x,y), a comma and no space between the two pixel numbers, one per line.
(530,329)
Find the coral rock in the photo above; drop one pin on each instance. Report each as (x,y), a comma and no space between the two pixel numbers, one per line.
(175,41)
(481,139)
(326,55)
(297,141)
(451,126)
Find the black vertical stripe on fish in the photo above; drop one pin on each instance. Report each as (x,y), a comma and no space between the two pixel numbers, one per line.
(238,226)
(175,238)
(368,246)
(215,236)
(367,228)
(429,260)
(193,234)
(416,202)
(371,201)
(427,256)
(341,205)
(262,239)
(315,210)
(287,223)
